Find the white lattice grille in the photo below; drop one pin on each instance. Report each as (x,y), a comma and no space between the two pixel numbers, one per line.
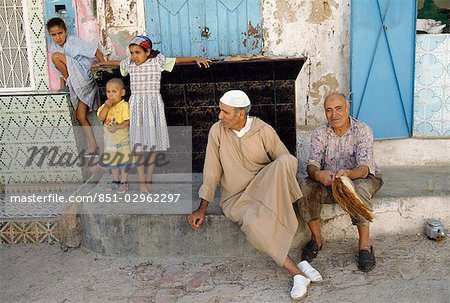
(15,70)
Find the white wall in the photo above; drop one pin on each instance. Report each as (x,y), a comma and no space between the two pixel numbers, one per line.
(319,30)
(119,21)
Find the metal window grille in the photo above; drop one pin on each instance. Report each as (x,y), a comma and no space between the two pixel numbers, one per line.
(15,51)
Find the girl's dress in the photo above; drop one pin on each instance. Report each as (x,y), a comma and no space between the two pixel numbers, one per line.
(117,144)
(79,56)
(148,127)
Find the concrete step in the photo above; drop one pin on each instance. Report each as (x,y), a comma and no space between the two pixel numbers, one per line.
(402,206)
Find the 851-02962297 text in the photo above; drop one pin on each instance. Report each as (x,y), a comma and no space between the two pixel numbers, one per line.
(128,198)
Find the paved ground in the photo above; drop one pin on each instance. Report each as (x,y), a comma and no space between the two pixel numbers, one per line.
(410,269)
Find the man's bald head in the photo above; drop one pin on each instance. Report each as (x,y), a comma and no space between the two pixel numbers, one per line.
(337,110)
(333,96)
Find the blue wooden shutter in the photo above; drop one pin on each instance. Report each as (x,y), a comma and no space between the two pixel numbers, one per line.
(206,28)
(382,65)
(63,9)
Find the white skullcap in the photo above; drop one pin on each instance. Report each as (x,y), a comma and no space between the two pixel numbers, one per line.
(235,98)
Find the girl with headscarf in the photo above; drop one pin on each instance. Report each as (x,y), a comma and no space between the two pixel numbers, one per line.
(148,127)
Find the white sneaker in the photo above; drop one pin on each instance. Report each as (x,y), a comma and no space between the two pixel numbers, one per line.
(299,289)
(310,271)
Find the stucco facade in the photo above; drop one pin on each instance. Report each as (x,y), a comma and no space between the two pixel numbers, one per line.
(318,30)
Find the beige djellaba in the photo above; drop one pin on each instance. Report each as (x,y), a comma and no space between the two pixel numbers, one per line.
(258,185)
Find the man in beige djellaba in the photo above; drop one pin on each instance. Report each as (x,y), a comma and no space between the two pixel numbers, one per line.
(258,183)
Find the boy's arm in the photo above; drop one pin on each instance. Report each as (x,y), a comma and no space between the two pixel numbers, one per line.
(200,62)
(124,124)
(104,112)
(99,56)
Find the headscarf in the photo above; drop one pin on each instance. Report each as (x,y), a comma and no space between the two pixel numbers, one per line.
(145,43)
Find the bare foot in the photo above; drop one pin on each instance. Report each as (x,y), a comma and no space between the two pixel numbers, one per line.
(92,150)
(149,185)
(143,188)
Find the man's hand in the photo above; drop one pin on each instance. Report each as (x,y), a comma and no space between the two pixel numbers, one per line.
(196,219)
(340,173)
(324,176)
(359,172)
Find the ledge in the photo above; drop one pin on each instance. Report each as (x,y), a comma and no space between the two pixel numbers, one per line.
(220,71)
(31,93)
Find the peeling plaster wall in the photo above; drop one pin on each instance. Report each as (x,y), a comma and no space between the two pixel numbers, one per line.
(317,29)
(87,26)
(320,31)
(119,21)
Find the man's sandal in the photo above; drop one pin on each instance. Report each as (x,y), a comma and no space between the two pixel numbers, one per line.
(310,250)
(366,260)
(312,273)
(300,287)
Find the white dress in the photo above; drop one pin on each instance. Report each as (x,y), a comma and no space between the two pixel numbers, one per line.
(148,127)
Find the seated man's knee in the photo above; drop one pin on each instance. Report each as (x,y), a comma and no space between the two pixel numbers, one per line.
(314,194)
(287,159)
(311,187)
(368,187)
(309,208)
(363,191)
(286,162)
(360,221)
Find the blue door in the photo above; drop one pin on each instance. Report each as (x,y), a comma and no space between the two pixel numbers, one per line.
(205,28)
(382,65)
(63,9)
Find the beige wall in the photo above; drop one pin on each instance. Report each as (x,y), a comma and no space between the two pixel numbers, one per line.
(319,30)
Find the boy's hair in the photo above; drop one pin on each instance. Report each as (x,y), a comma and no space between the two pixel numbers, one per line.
(56,22)
(117,81)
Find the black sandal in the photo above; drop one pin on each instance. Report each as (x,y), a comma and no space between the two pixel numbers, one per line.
(310,250)
(366,260)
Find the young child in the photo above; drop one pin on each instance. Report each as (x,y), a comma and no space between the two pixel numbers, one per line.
(73,58)
(148,128)
(115,115)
